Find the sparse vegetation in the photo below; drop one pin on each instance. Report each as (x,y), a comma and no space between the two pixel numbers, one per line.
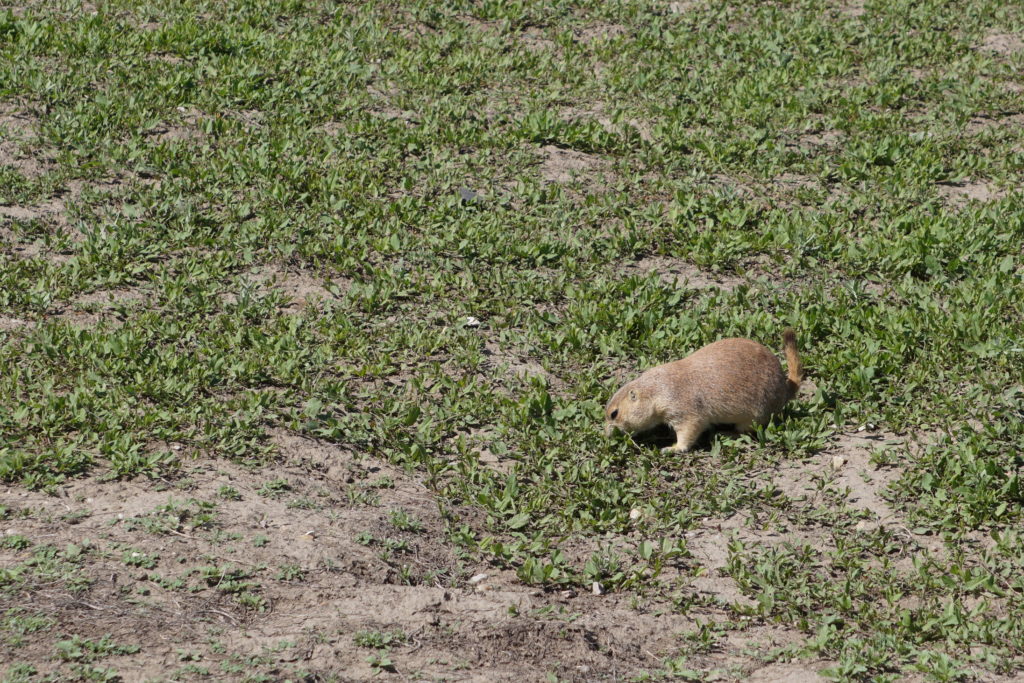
(373,269)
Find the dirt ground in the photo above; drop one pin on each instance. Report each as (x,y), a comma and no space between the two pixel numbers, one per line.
(458,620)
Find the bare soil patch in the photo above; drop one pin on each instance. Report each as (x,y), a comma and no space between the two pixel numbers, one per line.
(16,122)
(175,133)
(846,469)
(298,287)
(30,165)
(515,365)
(961,194)
(600,31)
(18,135)
(52,207)
(851,8)
(791,181)
(1004,44)
(107,306)
(55,209)
(598,112)
(481,440)
(677,272)
(560,165)
(534,40)
(788,673)
(313,535)
(848,461)
(822,138)
(684,6)
(9,324)
(982,123)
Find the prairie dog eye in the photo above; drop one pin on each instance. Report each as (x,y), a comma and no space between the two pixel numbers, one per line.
(615,413)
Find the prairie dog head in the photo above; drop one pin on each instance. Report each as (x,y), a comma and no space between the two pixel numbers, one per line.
(630,410)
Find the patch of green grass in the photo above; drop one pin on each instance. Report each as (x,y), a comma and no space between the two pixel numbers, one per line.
(176,517)
(229,493)
(403,521)
(379,640)
(290,572)
(303,503)
(134,558)
(15,542)
(78,649)
(389,545)
(235,582)
(20,672)
(16,624)
(274,489)
(47,564)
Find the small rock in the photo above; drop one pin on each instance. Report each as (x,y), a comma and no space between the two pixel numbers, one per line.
(471,322)
(583,669)
(568,594)
(596,588)
(838,462)
(635,514)
(11,532)
(475,579)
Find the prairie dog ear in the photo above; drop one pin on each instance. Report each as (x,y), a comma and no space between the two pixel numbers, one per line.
(632,394)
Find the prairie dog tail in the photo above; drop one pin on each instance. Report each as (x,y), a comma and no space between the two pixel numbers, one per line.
(796,369)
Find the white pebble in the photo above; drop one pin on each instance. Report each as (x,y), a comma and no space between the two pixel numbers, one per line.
(838,462)
(596,588)
(473,580)
(635,514)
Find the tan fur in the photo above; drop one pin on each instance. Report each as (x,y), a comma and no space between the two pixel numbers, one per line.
(732,381)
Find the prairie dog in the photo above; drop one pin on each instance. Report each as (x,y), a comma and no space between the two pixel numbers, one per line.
(731,381)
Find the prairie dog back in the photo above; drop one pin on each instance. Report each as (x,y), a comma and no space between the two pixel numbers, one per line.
(731,381)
